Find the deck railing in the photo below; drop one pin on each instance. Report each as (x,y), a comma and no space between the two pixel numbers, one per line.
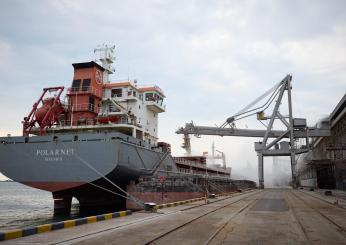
(86,90)
(84,107)
(91,122)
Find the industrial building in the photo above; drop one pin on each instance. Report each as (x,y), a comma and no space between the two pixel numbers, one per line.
(325,166)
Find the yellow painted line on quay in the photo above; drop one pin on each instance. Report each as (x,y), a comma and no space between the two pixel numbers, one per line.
(44,228)
(13,234)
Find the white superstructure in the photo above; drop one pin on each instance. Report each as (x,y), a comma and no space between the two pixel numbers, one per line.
(137,107)
(96,104)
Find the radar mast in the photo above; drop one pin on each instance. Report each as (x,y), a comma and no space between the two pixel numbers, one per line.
(105,57)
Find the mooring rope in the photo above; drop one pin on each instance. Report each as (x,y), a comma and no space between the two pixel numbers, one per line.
(105,189)
(128,196)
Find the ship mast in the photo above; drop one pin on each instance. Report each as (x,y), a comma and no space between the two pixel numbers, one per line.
(105,57)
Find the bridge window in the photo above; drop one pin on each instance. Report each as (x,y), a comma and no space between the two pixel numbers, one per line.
(117,92)
(86,84)
(75,85)
(149,97)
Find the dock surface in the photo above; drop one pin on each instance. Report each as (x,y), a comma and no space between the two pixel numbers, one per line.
(270,216)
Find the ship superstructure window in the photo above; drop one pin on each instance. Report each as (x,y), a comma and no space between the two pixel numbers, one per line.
(86,84)
(154,97)
(112,108)
(159,100)
(117,92)
(91,103)
(149,97)
(76,85)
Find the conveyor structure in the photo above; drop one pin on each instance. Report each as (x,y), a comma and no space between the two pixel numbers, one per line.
(293,129)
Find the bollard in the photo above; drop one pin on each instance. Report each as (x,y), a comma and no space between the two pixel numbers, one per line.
(150,207)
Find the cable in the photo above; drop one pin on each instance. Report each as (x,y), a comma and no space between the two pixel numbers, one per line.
(270,100)
(246,108)
(274,91)
(141,203)
(105,189)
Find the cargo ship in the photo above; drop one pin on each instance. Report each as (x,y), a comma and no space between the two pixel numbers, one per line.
(100,146)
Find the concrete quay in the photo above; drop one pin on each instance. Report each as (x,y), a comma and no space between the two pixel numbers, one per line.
(269,216)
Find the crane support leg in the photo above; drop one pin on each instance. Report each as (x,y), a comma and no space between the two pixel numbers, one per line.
(293,169)
(260,171)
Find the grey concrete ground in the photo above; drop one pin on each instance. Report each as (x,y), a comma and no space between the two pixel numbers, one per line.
(271,216)
(336,197)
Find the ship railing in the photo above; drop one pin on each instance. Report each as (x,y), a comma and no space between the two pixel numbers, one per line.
(90,122)
(198,174)
(151,102)
(193,164)
(154,87)
(85,107)
(85,90)
(184,170)
(190,163)
(81,123)
(174,175)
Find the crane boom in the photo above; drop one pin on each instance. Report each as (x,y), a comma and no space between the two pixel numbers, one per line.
(190,128)
(296,128)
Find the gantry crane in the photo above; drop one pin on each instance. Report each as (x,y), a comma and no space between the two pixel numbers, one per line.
(295,129)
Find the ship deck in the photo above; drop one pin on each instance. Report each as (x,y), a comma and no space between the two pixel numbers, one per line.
(270,216)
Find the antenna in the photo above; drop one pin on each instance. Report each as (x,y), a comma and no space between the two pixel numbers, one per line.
(105,57)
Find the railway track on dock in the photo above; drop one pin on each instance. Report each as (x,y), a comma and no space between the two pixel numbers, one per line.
(321,199)
(322,214)
(192,222)
(84,237)
(259,217)
(307,225)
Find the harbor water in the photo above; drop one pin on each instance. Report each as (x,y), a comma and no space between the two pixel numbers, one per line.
(22,206)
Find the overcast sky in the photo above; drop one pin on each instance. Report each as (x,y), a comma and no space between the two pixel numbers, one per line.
(210,57)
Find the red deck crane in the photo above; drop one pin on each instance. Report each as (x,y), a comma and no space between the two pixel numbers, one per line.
(45,115)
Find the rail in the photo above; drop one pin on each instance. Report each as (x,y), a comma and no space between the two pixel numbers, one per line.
(316,209)
(151,87)
(219,228)
(195,174)
(92,122)
(84,107)
(151,102)
(189,171)
(203,166)
(85,90)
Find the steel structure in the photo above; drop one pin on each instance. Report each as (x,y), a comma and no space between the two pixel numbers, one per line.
(50,115)
(295,129)
(214,156)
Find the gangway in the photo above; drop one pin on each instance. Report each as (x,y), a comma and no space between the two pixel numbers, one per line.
(295,129)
